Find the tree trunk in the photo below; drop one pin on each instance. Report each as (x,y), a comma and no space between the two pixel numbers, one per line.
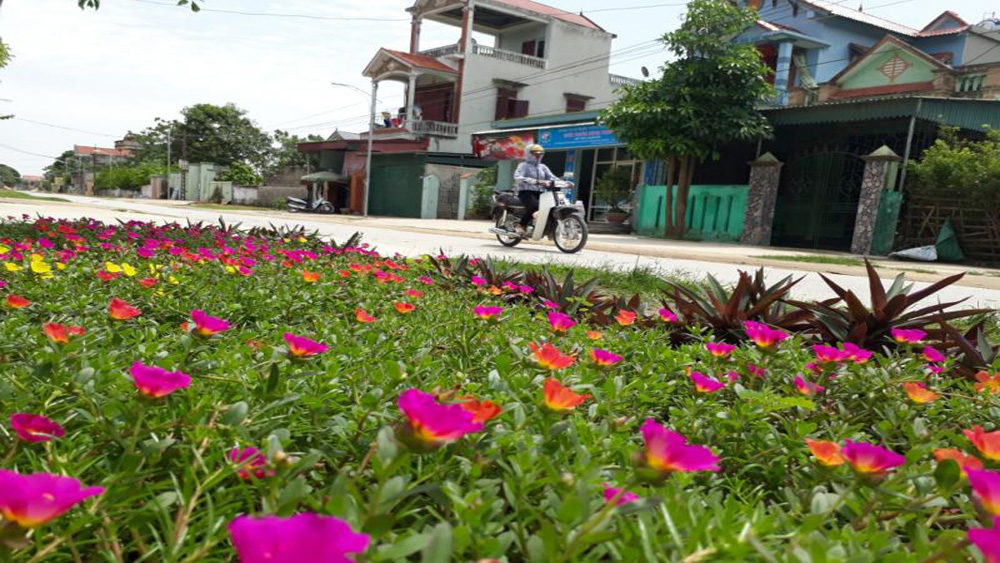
(679,226)
(668,219)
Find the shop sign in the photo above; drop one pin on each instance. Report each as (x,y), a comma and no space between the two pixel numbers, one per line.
(581,136)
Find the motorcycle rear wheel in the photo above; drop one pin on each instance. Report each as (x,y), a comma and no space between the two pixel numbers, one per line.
(509,242)
(570,234)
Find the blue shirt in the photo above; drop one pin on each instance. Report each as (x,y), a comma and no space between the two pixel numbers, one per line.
(529,173)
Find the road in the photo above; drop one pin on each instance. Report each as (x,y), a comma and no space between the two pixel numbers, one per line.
(408,237)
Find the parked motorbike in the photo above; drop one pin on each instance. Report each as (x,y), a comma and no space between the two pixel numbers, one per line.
(299,205)
(556,218)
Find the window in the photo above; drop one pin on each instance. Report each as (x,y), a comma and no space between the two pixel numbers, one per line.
(540,52)
(576,102)
(533,48)
(508,106)
(970,83)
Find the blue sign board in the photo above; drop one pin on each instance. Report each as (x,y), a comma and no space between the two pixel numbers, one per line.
(581,136)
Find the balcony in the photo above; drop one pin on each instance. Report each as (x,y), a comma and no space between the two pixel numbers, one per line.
(435,129)
(509,56)
(438,52)
(619,81)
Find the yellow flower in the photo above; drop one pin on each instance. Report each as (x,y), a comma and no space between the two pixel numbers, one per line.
(12,267)
(129,270)
(4,249)
(40,268)
(159,293)
(112,268)
(173,280)
(37,258)
(230,270)
(60,266)
(303,239)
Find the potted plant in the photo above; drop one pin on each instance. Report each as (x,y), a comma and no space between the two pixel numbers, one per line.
(614,188)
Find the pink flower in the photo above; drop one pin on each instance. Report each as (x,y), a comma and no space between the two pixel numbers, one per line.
(762,335)
(303,538)
(719,349)
(986,486)
(604,358)
(30,500)
(560,322)
(156,383)
(826,355)
(988,541)
(932,355)
(432,423)
(425,280)
(667,316)
(704,384)
(806,387)
(756,371)
(550,305)
(856,353)
(478,281)
(870,459)
(667,451)
(207,325)
(488,313)
(907,336)
(35,428)
(525,289)
(622,496)
(301,347)
(250,462)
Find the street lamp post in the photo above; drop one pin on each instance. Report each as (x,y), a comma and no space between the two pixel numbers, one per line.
(371,139)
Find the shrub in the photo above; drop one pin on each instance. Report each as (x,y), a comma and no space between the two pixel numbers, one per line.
(240,174)
(956,168)
(482,193)
(130,177)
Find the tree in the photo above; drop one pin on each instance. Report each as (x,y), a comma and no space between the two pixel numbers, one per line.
(241,175)
(62,167)
(706,97)
(285,151)
(960,169)
(9,176)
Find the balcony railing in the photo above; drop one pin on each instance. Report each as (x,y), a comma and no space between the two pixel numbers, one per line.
(434,128)
(619,81)
(441,51)
(511,56)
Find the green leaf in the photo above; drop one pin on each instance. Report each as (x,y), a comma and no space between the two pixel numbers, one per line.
(235,414)
(438,549)
(404,548)
(947,474)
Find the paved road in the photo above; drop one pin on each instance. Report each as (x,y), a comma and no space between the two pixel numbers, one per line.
(395,239)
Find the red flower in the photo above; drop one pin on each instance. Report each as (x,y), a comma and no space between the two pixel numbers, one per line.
(625,318)
(148,282)
(404,308)
(482,411)
(558,397)
(17,302)
(549,357)
(362,316)
(107,276)
(122,311)
(60,334)
(310,277)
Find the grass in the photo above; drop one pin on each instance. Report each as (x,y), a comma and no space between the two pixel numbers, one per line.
(816,259)
(15,194)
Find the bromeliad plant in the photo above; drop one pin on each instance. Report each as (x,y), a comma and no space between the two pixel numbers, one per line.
(184,393)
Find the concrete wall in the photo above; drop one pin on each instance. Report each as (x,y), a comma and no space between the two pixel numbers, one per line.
(512,41)
(273,195)
(287,176)
(981,50)
(449,188)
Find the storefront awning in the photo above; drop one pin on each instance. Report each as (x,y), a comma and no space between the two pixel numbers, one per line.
(970,114)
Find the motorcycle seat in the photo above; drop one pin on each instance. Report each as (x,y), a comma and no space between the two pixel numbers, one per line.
(510,200)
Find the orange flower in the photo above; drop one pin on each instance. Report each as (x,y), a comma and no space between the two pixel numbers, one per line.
(310,277)
(362,316)
(494,290)
(482,411)
(561,398)
(919,393)
(148,282)
(60,334)
(988,443)
(827,453)
(17,302)
(122,311)
(344,273)
(625,318)
(413,293)
(988,383)
(404,308)
(549,357)
(594,335)
(964,461)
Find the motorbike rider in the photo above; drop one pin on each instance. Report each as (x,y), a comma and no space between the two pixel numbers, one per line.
(531,177)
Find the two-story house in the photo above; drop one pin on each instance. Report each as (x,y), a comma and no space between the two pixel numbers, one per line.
(88,161)
(510,60)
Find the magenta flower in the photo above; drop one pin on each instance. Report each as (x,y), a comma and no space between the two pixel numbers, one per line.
(856,353)
(623,496)
(986,486)
(668,316)
(829,355)
(433,424)
(30,500)
(560,322)
(667,452)
(206,325)
(155,382)
(35,428)
(488,313)
(756,371)
(762,335)
(425,280)
(988,541)
(870,459)
(303,538)
(907,336)
(550,304)
(604,358)
(719,349)
(807,387)
(704,384)
(478,281)
(525,289)
(250,462)
(932,355)
(301,347)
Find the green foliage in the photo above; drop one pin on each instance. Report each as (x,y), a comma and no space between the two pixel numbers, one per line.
(128,177)
(614,187)
(285,151)
(956,168)
(240,174)
(706,96)
(482,192)
(8,176)
(5,55)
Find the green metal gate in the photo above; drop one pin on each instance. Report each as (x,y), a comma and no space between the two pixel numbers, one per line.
(818,201)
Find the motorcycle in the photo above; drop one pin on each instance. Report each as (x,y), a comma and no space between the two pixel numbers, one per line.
(556,219)
(319,204)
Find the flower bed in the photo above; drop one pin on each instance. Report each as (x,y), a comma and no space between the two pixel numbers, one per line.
(194,393)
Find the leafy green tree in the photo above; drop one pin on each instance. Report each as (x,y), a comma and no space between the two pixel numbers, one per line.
(61,167)
(285,151)
(9,176)
(240,174)
(707,96)
(954,168)
(128,177)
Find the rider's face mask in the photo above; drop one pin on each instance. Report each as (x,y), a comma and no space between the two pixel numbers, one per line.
(536,157)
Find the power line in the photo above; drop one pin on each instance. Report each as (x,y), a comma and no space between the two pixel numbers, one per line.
(53,125)
(15,149)
(279,15)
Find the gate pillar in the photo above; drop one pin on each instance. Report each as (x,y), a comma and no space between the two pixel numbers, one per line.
(759,219)
(881,168)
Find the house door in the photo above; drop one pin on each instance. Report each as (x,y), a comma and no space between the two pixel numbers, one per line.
(818,201)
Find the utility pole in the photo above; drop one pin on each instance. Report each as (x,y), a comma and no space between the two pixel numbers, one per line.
(169,127)
(371,144)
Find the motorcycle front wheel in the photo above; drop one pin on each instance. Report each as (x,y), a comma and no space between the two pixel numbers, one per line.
(571,234)
(508,241)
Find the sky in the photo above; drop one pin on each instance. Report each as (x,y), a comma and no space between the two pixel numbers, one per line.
(86,77)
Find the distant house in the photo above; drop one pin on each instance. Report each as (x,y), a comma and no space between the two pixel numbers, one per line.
(87,162)
(32,182)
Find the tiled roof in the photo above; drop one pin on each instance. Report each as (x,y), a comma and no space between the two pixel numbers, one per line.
(845,12)
(949,31)
(530,5)
(421,61)
(101,151)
